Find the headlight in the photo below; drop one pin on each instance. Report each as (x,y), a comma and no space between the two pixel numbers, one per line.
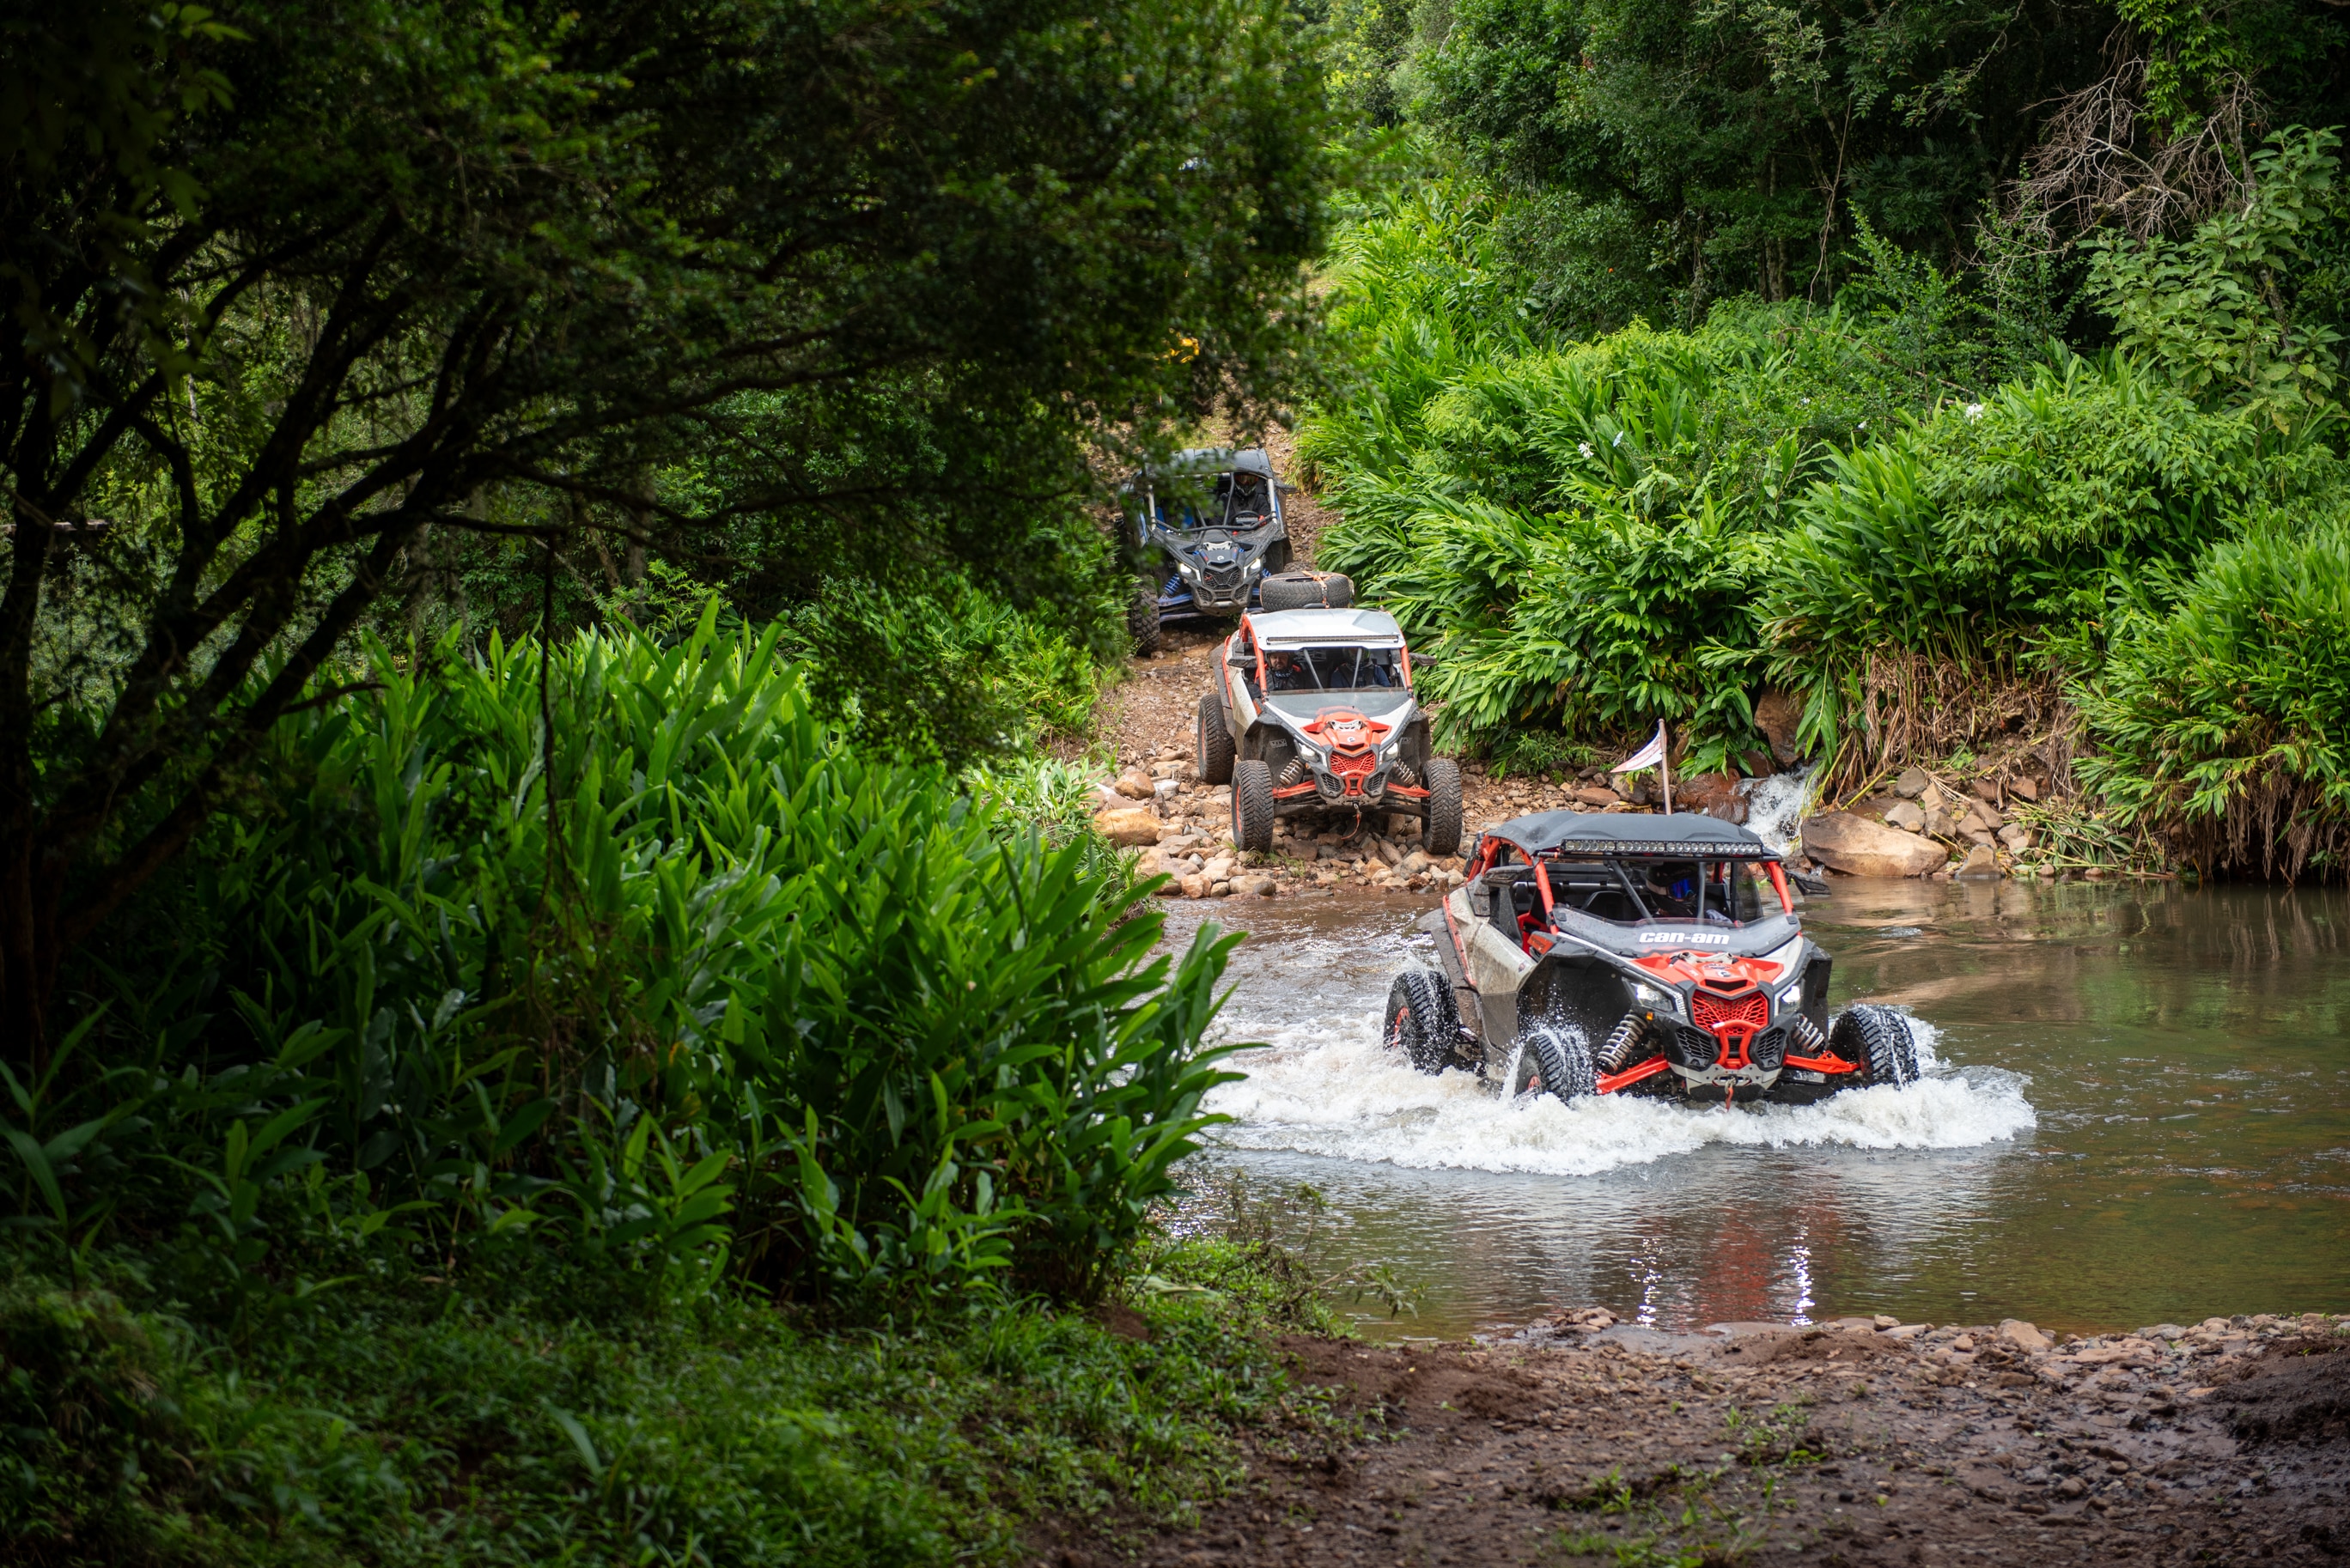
(1656,1000)
(1186,568)
(1792,995)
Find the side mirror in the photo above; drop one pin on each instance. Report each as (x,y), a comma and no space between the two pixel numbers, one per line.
(1423,661)
(1239,660)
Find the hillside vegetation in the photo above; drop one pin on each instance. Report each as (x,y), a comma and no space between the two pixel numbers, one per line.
(1913,507)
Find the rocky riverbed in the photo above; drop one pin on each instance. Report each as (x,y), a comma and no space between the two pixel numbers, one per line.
(1581,1440)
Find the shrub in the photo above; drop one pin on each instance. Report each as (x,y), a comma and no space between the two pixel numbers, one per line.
(701,983)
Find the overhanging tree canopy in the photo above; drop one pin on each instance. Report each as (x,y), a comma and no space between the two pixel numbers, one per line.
(284,283)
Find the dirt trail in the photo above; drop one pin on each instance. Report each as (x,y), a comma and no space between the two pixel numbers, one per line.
(1148,719)
(1838,1446)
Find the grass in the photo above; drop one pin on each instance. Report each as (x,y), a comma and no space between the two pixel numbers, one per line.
(1707,1518)
(560,1420)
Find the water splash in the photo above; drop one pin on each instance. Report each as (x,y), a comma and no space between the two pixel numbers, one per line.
(1774,808)
(1332,1088)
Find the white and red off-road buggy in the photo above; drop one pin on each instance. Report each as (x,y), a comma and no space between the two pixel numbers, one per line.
(1313,713)
(1619,953)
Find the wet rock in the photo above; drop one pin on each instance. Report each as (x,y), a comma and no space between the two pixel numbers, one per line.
(1779,716)
(1134,784)
(2023,1336)
(1905,815)
(1219,868)
(1259,886)
(1133,825)
(1859,847)
(1386,852)
(1911,783)
(1195,886)
(1979,864)
(1415,863)
(1711,794)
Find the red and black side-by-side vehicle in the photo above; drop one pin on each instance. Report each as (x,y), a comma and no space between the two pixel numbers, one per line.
(1619,953)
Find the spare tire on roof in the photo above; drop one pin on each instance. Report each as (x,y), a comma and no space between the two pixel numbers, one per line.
(1306,590)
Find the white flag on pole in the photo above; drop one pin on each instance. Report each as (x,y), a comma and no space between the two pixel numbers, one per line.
(1648,756)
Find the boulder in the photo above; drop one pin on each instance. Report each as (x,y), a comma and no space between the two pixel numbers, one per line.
(1170,770)
(1986,789)
(1219,868)
(1133,825)
(1911,783)
(1415,863)
(2023,1336)
(1387,852)
(1979,863)
(2028,788)
(1592,795)
(1778,716)
(1195,886)
(1711,794)
(2016,839)
(1859,847)
(1905,815)
(1939,823)
(1259,886)
(1134,784)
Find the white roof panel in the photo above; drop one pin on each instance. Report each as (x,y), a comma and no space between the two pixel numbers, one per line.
(1302,628)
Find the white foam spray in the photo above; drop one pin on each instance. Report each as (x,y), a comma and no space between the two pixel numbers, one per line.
(1774,808)
(1330,1087)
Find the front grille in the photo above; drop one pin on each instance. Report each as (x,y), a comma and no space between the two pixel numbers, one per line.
(1697,1047)
(1751,1010)
(1223,581)
(1769,1049)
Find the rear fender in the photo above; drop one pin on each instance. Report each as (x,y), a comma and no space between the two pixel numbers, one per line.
(1814,1004)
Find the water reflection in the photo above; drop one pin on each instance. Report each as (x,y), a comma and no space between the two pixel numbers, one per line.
(2142,1113)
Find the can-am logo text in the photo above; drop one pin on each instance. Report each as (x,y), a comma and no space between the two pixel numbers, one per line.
(1684,940)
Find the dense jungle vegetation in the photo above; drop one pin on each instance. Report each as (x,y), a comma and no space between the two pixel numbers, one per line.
(548,1005)
(1969,374)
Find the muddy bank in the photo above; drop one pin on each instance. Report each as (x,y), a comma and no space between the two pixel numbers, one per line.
(1862,1441)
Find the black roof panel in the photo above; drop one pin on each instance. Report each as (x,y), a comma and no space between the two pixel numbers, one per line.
(1626,832)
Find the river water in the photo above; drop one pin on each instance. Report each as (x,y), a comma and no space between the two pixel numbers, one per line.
(2138,1111)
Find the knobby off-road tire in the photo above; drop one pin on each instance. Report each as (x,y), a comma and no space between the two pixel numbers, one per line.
(1422,1020)
(1212,742)
(1305,590)
(1252,806)
(1142,616)
(1879,1040)
(1439,831)
(1558,1055)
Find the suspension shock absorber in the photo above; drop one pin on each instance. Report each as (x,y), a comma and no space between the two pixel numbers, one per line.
(1617,1054)
(1402,773)
(1291,772)
(1807,1035)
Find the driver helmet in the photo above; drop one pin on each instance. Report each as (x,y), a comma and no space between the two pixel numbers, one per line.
(1672,882)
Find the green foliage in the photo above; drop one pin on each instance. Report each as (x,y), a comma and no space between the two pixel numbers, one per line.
(799,296)
(2222,709)
(2219,313)
(534,1418)
(704,984)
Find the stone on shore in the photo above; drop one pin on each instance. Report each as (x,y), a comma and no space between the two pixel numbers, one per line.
(1979,864)
(1906,815)
(1859,847)
(1134,784)
(1911,783)
(2023,1336)
(1132,826)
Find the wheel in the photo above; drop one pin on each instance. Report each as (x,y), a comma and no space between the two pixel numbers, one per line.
(1252,806)
(1142,616)
(1212,745)
(1559,1057)
(1276,555)
(1878,1039)
(1421,1021)
(1439,832)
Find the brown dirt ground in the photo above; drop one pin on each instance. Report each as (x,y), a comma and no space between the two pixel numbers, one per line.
(1836,1447)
